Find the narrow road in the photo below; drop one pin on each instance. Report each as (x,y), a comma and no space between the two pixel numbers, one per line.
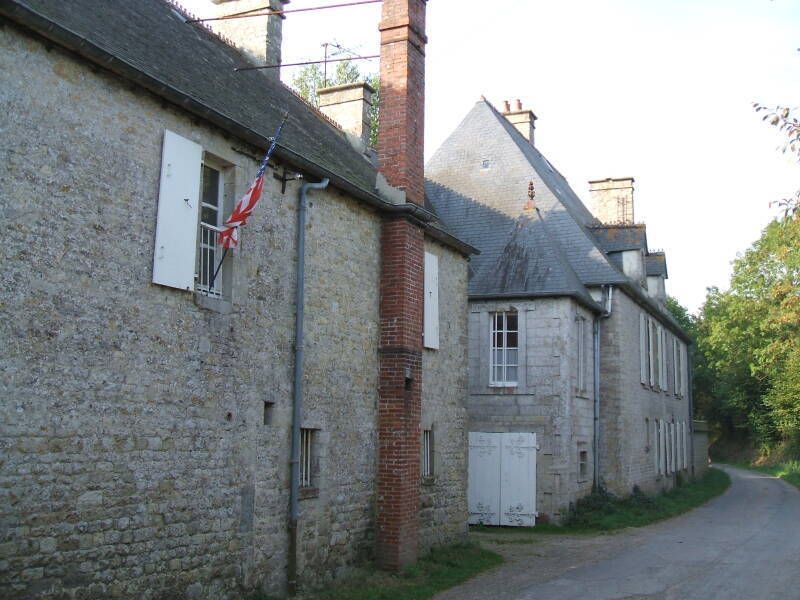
(744,544)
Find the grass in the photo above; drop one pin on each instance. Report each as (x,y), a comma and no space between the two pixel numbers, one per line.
(601,511)
(442,569)
(788,471)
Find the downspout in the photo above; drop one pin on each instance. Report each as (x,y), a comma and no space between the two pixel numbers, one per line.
(608,293)
(297,403)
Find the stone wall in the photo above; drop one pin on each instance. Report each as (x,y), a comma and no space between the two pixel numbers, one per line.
(546,400)
(145,437)
(628,408)
(443,498)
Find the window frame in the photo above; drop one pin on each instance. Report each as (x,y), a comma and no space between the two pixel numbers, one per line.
(504,380)
(307,467)
(582,356)
(208,231)
(428,462)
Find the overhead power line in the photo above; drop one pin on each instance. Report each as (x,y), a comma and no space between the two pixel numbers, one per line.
(308,62)
(254,12)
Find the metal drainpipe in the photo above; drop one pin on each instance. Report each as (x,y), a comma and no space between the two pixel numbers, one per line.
(608,294)
(297,405)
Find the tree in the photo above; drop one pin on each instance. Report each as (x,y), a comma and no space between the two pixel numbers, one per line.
(311,78)
(788,123)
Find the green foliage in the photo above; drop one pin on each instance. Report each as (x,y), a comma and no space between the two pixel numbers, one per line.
(443,568)
(749,339)
(787,121)
(312,78)
(601,511)
(789,470)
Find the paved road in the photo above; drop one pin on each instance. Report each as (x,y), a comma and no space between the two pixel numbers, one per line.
(744,544)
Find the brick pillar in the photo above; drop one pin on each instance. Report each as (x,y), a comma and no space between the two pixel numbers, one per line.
(400,159)
(402,124)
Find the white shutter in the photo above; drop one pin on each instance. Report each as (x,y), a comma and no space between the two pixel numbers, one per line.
(431,314)
(642,348)
(484,478)
(656,446)
(663,447)
(685,370)
(518,480)
(175,252)
(676,358)
(651,346)
(662,351)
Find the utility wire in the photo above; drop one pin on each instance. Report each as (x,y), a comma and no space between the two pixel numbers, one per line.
(253,12)
(308,62)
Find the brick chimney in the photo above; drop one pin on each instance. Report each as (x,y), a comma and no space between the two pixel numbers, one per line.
(349,106)
(522,119)
(612,200)
(259,38)
(400,161)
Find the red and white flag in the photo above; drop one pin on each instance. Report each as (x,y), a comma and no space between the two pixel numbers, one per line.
(229,238)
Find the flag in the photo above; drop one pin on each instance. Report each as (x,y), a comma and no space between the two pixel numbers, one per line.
(229,237)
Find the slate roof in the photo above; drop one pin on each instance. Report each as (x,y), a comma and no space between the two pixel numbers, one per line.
(616,238)
(153,37)
(477,182)
(656,264)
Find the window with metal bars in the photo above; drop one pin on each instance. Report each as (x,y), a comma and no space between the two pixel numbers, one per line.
(306,458)
(211,217)
(504,355)
(427,453)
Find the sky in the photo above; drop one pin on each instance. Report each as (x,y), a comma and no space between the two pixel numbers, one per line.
(658,90)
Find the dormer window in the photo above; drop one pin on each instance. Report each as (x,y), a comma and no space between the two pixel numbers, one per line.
(485,164)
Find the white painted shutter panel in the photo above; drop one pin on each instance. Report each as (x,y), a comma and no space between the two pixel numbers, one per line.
(655,448)
(685,447)
(662,356)
(431,313)
(676,358)
(685,370)
(175,252)
(663,447)
(518,480)
(651,343)
(484,478)
(643,348)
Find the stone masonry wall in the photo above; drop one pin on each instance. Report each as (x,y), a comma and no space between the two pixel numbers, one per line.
(628,408)
(443,499)
(145,439)
(546,401)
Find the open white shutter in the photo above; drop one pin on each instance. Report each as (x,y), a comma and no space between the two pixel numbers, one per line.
(676,358)
(685,369)
(431,314)
(643,348)
(662,353)
(651,347)
(178,209)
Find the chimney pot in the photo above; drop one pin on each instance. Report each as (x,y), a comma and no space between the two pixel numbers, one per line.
(519,104)
(506,106)
(521,119)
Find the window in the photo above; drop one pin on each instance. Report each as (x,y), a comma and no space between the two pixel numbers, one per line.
(653,352)
(427,453)
(504,349)
(644,356)
(583,463)
(190,210)
(209,280)
(307,458)
(581,354)
(657,453)
(431,302)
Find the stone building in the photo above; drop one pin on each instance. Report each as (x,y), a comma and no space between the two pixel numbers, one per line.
(569,336)
(147,420)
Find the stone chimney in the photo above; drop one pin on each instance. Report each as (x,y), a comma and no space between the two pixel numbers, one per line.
(400,162)
(259,38)
(612,200)
(522,119)
(349,106)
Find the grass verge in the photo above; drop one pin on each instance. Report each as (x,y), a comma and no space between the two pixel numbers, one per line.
(442,569)
(601,511)
(789,471)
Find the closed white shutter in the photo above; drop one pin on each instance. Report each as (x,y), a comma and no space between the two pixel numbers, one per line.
(663,447)
(676,358)
(431,315)
(662,351)
(652,345)
(657,446)
(685,370)
(643,348)
(484,478)
(175,252)
(518,479)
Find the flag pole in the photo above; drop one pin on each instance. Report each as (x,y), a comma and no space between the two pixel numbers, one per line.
(263,164)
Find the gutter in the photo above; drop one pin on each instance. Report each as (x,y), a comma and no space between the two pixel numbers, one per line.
(608,293)
(83,47)
(297,402)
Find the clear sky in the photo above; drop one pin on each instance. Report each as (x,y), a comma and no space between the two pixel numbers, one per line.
(654,89)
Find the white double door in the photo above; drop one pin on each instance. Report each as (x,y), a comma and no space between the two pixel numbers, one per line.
(502,478)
